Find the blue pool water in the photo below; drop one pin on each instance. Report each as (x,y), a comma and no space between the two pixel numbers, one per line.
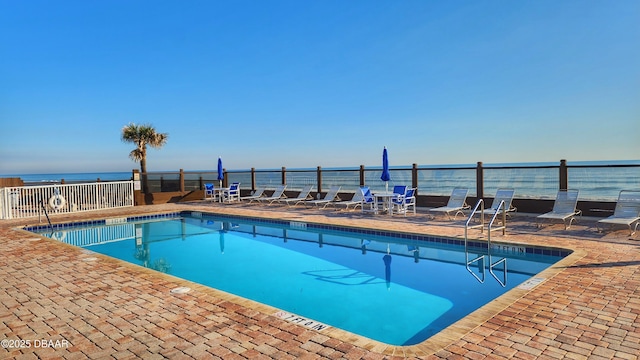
(398,290)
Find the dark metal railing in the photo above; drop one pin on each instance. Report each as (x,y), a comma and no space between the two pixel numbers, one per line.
(596,182)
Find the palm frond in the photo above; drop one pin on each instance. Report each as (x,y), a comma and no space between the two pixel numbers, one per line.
(136,155)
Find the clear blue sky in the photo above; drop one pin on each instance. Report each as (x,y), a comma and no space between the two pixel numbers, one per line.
(275,83)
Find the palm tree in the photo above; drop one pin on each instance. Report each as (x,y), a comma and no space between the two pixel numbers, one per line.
(143,135)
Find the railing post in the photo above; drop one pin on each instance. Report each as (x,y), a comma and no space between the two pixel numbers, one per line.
(480,181)
(319,178)
(284,175)
(225,178)
(253,179)
(201,186)
(564,175)
(181,180)
(361,175)
(414,178)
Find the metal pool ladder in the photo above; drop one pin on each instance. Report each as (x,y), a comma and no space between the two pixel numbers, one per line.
(45,214)
(481,258)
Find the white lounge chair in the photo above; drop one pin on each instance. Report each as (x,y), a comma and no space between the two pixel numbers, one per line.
(305,194)
(564,208)
(457,203)
(277,195)
(505,195)
(627,211)
(402,203)
(255,196)
(356,201)
(330,197)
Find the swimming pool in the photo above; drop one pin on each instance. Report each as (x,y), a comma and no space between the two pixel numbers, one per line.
(399,289)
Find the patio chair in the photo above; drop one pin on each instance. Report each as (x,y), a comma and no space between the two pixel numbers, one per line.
(387,203)
(330,197)
(505,195)
(368,203)
(305,194)
(627,211)
(403,202)
(400,189)
(278,193)
(457,204)
(255,196)
(232,193)
(356,201)
(209,192)
(564,208)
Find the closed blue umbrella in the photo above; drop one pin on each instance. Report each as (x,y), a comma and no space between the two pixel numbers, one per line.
(386,176)
(220,174)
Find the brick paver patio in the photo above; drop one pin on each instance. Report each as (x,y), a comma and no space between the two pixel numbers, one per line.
(58,301)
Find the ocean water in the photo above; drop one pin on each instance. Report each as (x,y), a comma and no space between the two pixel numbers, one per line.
(530,180)
(73,177)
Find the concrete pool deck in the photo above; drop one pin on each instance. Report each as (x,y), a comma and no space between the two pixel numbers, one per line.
(58,301)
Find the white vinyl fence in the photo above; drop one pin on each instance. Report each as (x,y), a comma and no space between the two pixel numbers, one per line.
(29,201)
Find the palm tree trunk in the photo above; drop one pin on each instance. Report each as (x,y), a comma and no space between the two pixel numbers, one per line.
(143,173)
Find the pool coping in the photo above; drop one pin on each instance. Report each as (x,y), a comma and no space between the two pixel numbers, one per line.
(436,343)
